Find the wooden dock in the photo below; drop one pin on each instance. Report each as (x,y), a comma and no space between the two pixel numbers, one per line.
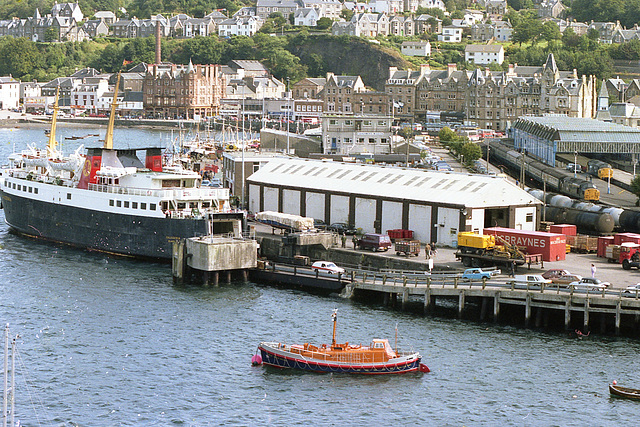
(613,309)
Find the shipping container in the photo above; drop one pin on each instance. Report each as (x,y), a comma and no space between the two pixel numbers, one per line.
(603,242)
(551,246)
(566,229)
(621,238)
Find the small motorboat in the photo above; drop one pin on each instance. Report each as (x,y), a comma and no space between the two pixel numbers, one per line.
(626,392)
(378,358)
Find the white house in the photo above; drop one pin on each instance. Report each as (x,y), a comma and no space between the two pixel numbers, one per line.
(451,34)
(199,27)
(484,54)
(307,17)
(240,26)
(85,96)
(419,48)
(9,93)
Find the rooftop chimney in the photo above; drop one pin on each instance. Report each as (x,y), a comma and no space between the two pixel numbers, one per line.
(451,68)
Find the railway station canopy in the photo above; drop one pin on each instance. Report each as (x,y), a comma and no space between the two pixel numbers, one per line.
(551,134)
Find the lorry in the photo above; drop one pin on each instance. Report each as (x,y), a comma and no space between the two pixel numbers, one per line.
(630,256)
(407,247)
(479,273)
(480,250)
(375,242)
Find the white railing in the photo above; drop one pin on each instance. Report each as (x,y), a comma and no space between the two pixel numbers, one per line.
(169,194)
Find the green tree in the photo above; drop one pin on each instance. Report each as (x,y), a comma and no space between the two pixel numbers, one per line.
(324,23)
(446,135)
(20,57)
(51,34)
(471,152)
(550,31)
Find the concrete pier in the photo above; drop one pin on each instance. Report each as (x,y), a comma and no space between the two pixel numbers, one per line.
(211,256)
(612,309)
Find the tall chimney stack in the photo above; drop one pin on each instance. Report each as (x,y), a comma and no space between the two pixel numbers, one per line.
(158,44)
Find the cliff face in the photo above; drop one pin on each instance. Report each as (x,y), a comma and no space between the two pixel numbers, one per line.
(350,56)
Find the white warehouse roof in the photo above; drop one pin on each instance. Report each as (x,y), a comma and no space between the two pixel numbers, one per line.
(461,189)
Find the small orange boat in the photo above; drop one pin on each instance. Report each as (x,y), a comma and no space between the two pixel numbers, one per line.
(378,358)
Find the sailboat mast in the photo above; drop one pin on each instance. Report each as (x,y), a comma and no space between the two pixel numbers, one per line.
(108,139)
(334,316)
(51,145)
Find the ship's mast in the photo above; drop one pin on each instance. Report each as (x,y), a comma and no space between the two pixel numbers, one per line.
(108,139)
(51,145)
(334,316)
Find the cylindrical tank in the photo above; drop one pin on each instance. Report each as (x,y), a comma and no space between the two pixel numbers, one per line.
(584,220)
(630,221)
(583,206)
(615,214)
(559,201)
(538,194)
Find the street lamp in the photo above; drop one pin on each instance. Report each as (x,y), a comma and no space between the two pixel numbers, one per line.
(575,164)
(288,113)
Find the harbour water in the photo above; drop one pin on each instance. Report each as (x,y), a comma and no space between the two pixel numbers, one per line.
(111,341)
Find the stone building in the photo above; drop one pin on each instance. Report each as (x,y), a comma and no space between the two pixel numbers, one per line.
(173,91)
(338,93)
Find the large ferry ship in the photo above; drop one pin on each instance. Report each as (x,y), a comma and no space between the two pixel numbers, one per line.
(111,200)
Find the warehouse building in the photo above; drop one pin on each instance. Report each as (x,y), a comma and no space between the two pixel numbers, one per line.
(435,205)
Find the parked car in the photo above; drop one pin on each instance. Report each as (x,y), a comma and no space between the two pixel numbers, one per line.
(530,279)
(213,182)
(479,274)
(556,272)
(591,284)
(566,279)
(375,242)
(319,224)
(574,167)
(327,267)
(342,228)
(632,290)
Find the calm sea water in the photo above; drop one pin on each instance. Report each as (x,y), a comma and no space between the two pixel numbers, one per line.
(108,341)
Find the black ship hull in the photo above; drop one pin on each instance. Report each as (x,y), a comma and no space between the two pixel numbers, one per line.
(121,234)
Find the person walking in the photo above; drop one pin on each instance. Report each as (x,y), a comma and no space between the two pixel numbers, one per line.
(427,250)
(354,240)
(344,241)
(593,271)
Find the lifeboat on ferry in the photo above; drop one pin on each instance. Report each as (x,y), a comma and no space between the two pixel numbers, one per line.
(375,359)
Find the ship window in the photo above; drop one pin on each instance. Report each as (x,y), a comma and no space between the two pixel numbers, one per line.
(19,187)
(152,206)
(182,205)
(111,203)
(193,205)
(118,203)
(529,217)
(68,196)
(14,185)
(378,345)
(134,205)
(205,205)
(35,190)
(143,206)
(126,204)
(30,189)
(116,181)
